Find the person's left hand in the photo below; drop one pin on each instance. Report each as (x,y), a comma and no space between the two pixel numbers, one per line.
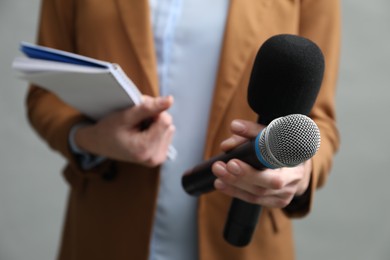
(270,187)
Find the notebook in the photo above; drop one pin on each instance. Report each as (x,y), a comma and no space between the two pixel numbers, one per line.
(94,87)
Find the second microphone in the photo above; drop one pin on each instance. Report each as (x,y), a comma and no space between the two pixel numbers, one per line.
(285,142)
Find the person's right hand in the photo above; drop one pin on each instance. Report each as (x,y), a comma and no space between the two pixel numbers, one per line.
(120,136)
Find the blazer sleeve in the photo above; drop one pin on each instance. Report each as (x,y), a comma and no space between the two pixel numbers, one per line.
(49,116)
(320,22)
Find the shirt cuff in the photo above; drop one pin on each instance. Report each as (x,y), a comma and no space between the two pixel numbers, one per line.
(86,160)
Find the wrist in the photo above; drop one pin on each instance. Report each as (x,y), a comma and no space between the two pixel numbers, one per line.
(84,138)
(86,158)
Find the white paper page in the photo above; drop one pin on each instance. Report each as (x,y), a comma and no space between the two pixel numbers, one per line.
(95,95)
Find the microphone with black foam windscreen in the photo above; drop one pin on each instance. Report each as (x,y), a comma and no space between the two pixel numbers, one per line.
(285,79)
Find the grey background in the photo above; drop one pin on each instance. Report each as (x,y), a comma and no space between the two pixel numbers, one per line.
(350,219)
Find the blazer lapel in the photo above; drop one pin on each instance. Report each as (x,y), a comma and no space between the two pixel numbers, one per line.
(241,40)
(135,16)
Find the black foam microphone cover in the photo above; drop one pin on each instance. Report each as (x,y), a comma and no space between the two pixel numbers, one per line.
(286,77)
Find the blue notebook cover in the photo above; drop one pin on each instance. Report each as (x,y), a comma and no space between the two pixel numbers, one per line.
(44,53)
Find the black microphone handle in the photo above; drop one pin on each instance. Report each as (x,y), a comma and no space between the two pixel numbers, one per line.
(241,222)
(200,179)
(242,216)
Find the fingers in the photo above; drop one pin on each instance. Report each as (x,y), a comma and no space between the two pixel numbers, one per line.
(242,131)
(245,128)
(231,142)
(159,137)
(154,140)
(247,178)
(149,108)
(162,150)
(121,137)
(270,201)
(271,188)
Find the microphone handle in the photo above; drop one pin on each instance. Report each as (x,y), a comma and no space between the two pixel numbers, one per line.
(200,179)
(243,216)
(241,222)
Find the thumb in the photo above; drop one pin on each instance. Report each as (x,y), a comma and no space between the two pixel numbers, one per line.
(149,108)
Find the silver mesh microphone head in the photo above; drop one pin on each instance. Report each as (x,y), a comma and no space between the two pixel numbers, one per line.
(290,140)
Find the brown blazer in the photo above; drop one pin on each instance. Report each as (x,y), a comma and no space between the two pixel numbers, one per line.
(110,208)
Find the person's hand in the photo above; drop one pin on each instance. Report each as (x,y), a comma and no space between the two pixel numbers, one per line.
(120,136)
(271,188)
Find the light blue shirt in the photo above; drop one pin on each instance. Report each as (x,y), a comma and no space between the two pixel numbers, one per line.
(188,39)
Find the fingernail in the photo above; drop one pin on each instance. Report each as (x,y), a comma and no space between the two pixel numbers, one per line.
(162,101)
(234,168)
(219,184)
(221,171)
(228,142)
(238,126)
